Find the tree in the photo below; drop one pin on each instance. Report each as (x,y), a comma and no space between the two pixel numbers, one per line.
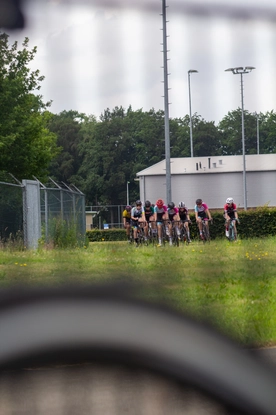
(267,128)
(101,156)
(26,144)
(180,137)
(115,149)
(231,133)
(206,138)
(107,158)
(67,126)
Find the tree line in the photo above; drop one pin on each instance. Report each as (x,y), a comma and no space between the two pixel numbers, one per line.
(100,156)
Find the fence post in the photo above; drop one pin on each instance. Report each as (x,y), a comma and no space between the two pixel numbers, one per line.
(31,213)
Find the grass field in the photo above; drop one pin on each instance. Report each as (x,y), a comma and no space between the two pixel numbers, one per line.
(232,285)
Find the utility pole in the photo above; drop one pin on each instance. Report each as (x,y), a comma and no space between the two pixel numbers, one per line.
(166,106)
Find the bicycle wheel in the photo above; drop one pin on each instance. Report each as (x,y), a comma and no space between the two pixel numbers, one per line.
(235,233)
(154,237)
(232,232)
(140,236)
(182,235)
(206,232)
(131,238)
(133,357)
(175,239)
(165,236)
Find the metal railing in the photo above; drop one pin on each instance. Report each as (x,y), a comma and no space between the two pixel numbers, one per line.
(104,217)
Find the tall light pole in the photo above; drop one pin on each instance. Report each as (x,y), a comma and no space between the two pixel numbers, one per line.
(127,193)
(190,107)
(241,71)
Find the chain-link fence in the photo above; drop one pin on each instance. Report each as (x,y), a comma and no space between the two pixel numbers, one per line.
(62,212)
(11,211)
(30,210)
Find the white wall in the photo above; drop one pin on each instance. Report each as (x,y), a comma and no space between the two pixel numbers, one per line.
(214,188)
(261,188)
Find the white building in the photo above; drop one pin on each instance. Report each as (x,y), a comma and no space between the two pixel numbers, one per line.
(213,179)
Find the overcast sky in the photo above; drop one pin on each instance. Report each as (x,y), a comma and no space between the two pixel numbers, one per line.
(96,57)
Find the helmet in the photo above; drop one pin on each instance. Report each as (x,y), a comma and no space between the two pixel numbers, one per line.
(160,203)
(229,200)
(128,208)
(138,203)
(198,201)
(181,205)
(147,203)
(171,205)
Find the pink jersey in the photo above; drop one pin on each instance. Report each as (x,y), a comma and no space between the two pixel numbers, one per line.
(201,210)
(160,212)
(230,209)
(172,212)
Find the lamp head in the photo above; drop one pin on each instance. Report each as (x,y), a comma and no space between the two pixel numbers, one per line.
(240,69)
(192,70)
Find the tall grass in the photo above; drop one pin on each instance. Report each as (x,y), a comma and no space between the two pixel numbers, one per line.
(61,234)
(232,285)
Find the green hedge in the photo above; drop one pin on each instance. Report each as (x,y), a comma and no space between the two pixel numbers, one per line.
(253,223)
(99,235)
(257,222)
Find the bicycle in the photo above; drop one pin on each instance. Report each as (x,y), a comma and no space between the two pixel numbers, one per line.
(152,233)
(103,350)
(164,232)
(205,230)
(175,235)
(233,234)
(141,240)
(141,234)
(183,232)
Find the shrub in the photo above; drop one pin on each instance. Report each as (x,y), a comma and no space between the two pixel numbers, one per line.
(259,222)
(98,235)
(62,234)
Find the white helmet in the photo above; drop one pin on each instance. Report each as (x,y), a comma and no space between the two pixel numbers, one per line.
(229,200)
(181,205)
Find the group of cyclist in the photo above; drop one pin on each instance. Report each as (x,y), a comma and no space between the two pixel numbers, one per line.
(153,216)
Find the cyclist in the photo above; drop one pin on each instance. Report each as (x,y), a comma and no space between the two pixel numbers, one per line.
(160,214)
(201,213)
(126,220)
(184,218)
(149,216)
(137,215)
(172,216)
(230,213)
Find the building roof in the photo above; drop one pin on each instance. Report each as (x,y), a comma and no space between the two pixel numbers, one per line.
(213,164)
